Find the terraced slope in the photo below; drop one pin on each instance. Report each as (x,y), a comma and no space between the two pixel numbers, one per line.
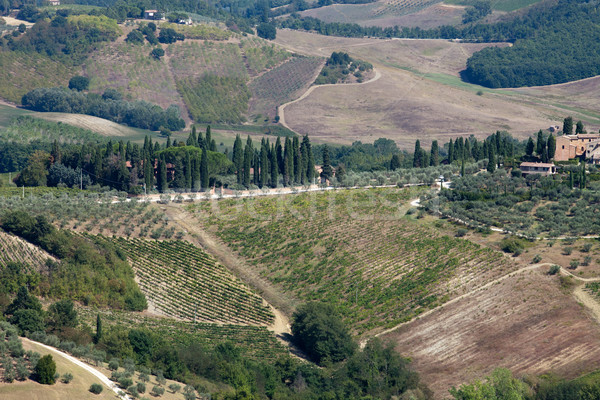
(182,281)
(15,249)
(355,249)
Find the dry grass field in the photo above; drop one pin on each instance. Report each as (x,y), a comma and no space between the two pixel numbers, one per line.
(527,323)
(420,95)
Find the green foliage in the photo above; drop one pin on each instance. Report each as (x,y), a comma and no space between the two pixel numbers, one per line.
(96,388)
(477,11)
(511,245)
(26,129)
(169,35)
(27,320)
(157,391)
(45,370)
(67,377)
(138,114)
(215,99)
(200,31)
(62,315)
(498,386)
(338,68)
(266,31)
(320,332)
(79,83)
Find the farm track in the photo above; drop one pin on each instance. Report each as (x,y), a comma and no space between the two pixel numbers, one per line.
(281,109)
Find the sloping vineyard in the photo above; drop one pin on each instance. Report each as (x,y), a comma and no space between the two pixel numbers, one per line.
(261,55)
(254,341)
(182,281)
(15,249)
(355,249)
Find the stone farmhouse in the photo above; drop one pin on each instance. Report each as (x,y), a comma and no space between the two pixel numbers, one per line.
(571,146)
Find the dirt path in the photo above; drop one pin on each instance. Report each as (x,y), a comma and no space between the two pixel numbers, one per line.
(103,378)
(281,109)
(588,302)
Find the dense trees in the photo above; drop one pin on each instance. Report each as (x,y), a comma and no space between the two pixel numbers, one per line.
(139,114)
(266,31)
(45,370)
(79,83)
(320,332)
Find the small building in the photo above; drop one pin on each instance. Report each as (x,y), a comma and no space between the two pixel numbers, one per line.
(537,168)
(153,14)
(571,146)
(592,153)
(54,2)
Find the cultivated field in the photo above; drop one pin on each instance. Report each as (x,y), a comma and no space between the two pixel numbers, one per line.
(420,78)
(15,249)
(527,323)
(354,249)
(182,281)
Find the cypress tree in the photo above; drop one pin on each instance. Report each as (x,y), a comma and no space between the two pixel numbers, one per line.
(264,165)
(188,171)
(394,162)
(297,159)
(551,145)
(168,142)
(195,172)
(274,167)
(192,140)
(162,175)
(583,180)
(540,143)
(327,171)
(310,161)
(340,173)
(204,177)
(462,168)
(450,152)
(238,157)
(529,148)
(417,156)
(148,174)
(288,163)
(434,159)
(201,142)
(568,126)
(98,335)
(279,153)
(248,155)
(210,142)
(491,167)
(256,167)
(579,128)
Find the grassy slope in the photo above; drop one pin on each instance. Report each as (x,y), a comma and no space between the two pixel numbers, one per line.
(354,249)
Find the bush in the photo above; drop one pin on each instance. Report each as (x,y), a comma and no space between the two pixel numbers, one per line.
(173,387)
(574,264)
(125,382)
(67,378)
(79,83)
(461,232)
(157,391)
(536,259)
(113,365)
(586,248)
(45,370)
(157,53)
(586,261)
(141,387)
(511,245)
(553,270)
(567,251)
(96,388)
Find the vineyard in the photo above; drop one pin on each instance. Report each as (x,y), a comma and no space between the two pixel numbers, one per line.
(215,99)
(182,281)
(193,59)
(261,55)
(354,249)
(202,31)
(255,341)
(282,84)
(21,73)
(402,7)
(15,249)
(26,129)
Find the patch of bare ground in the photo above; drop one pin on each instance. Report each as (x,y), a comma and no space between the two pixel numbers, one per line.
(419,80)
(526,323)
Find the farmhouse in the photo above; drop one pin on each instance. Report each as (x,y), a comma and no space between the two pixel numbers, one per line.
(538,168)
(54,2)
(153,14)
(571,146)
(592,153)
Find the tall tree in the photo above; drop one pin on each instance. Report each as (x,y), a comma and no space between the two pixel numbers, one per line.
(288,163)
(326,170)
(417,155)
(539,149)
(192,140)
(238,157)
(248,156)
(568,126)
(211,145)
(264,165)
(394,162)
(162,176)
(256,167)
(530,147)
(434,159)
(196,172)
(579,129)
(204,178)
(450,152)
(98,334)
(274,167)
(297,159)
(310,161)
(279,153)
(551,144)
(188,170)
(491,167)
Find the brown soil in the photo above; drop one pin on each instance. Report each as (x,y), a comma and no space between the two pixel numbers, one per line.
(525,323)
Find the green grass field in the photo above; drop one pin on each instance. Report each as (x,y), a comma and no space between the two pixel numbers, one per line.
(355,249)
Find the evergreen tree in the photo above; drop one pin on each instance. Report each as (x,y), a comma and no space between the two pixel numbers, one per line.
(188,171)
(491,167)
(279,153)
(98,334)
(248,156)
(264,165)
(450,152)
(434,159)
(297,159)
(192,140)
(201,141)
(571,179)
(327,171)
(256,167)
(204,178)
(162,176)
(340,173)
(462,168)
(148,174)
(274,167)
(540,143)
(551,145)
(418,155)
(45,370)
(168,142)
(210,142)
(238,157)
(196,181)
(529,148)
(568,126)
(179,180)
(288,163)
(310,161)
(579,128)
(56,153)
(394,162)
(583,178)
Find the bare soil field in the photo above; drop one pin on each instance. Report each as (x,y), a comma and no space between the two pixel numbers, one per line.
(526,323)
(421,80)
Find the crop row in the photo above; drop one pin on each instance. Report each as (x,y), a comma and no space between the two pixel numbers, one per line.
(14,249)
(355,249)
(184,282)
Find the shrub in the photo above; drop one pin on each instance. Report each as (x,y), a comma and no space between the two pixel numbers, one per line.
(79,83)
(96,388)
(67,377)
(586,248)
(511,245)
(113,365)
(461,232)
(553,270)
(133,391)
(157,391)
(586,261)
(141,387)
(157,53)
(536,259)
(125,382)
(574,264)
(45,370)
(173,387)
(567,250)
